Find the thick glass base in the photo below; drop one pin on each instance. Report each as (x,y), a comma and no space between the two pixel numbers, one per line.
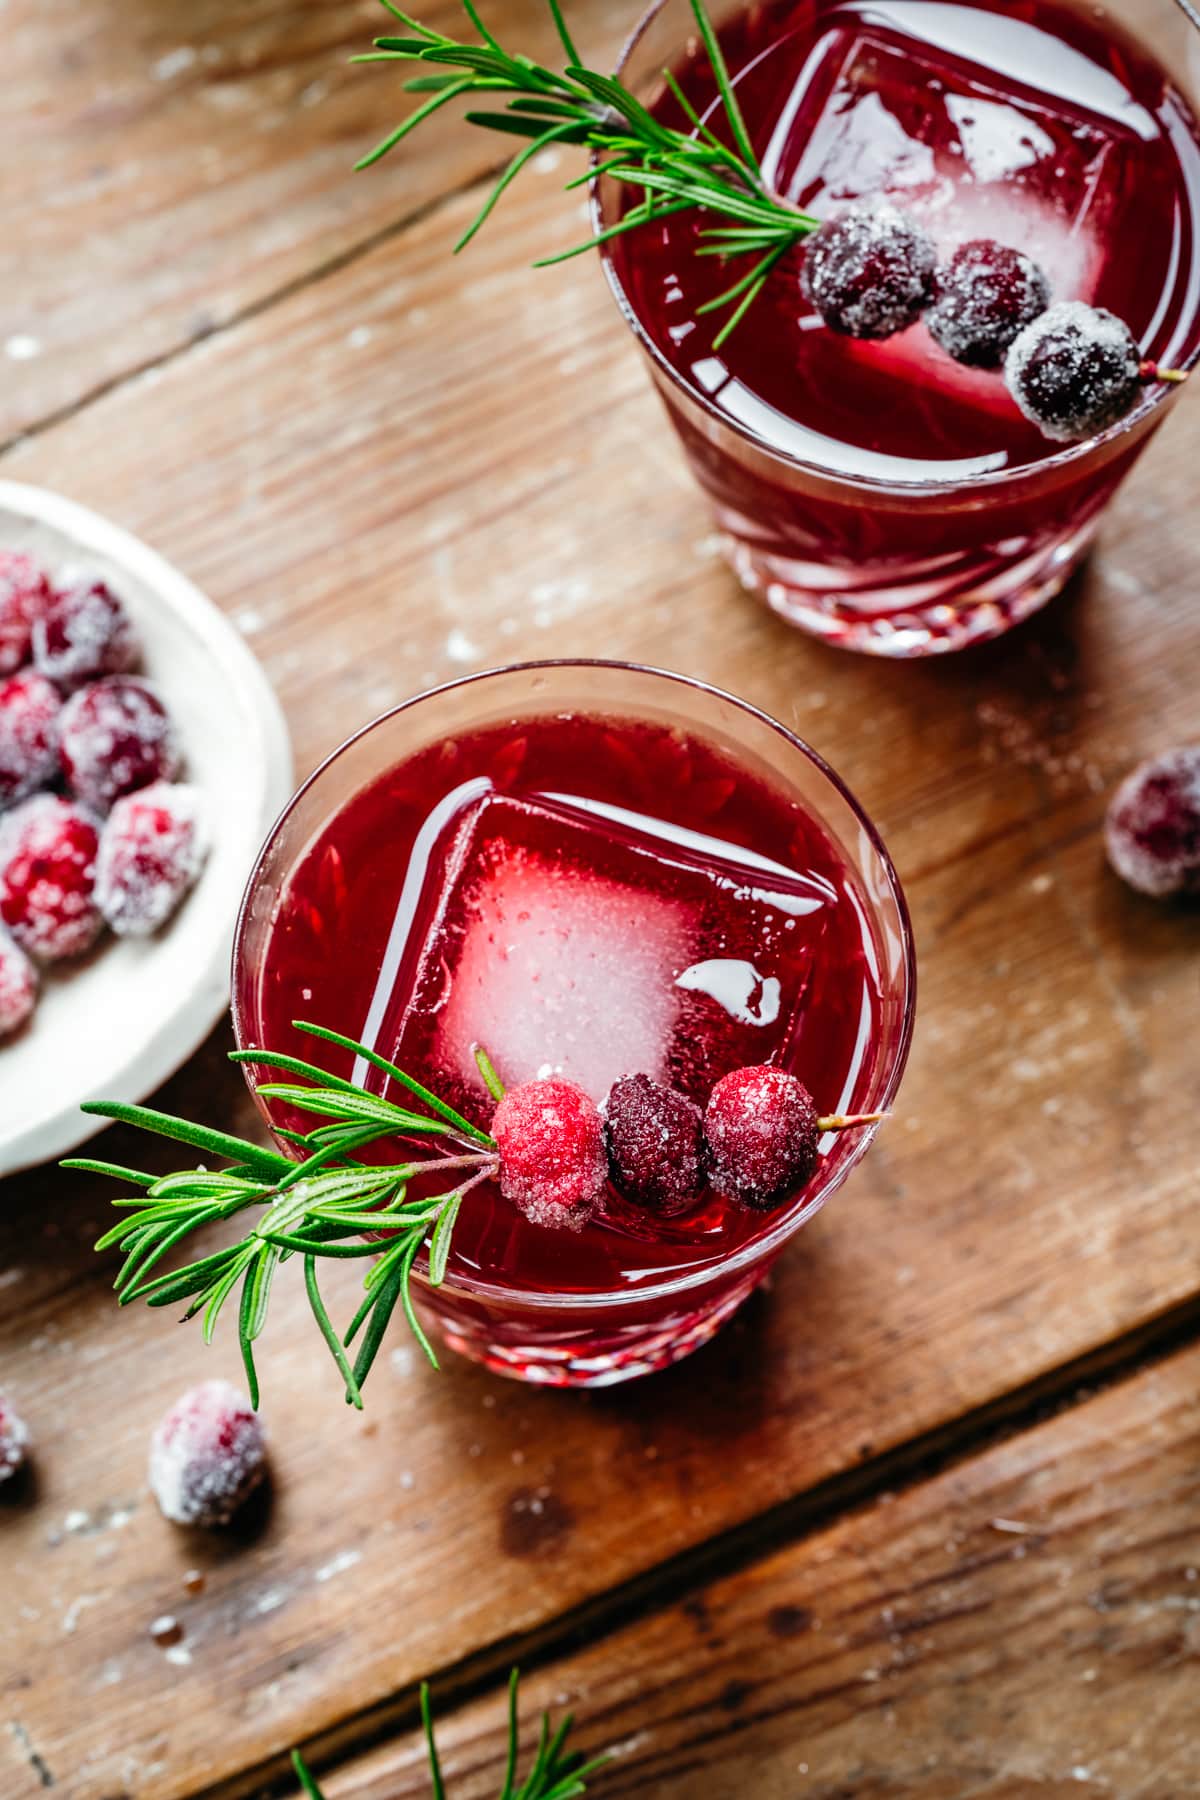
(588,1356)
(915,617)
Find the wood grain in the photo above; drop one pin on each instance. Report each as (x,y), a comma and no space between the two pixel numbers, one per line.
(412,467)
(164,170)
(1026,1624)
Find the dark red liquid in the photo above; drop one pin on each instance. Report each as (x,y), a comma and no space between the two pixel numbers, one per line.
(1037,123)
(488,890)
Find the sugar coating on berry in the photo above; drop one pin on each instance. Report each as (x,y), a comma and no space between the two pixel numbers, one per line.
(983,297)
(84,634)
(551,1141)
(30,710)
(25,594)
(760,1126)
(47,877)
(207,1456)
(1152,831)
(1074,371)
(116,735)
(869,272)
(655,1143)
(18,985)
(152,848)
(14,1439)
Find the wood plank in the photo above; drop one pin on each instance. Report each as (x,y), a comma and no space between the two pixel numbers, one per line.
(413,467)
(185,167)
(1027,1623)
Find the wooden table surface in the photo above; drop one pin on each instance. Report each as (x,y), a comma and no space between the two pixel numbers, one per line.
(924,1520)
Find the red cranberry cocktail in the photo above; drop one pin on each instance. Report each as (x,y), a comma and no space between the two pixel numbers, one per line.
(595,873)
(880,492)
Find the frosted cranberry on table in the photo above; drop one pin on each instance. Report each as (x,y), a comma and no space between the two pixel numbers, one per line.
(151,850)
(116,735)
(30,710)
(14,1438)
(207,1456)
(84,634)
(48,877)
(1152,831)
(18,986)
(25,595)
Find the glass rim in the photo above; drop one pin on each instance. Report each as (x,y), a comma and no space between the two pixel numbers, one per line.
(759,1248)
(1157,396)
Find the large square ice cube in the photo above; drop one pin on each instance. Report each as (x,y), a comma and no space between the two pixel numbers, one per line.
(568,937)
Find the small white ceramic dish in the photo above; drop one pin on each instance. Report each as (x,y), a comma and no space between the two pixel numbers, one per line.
(115,1025)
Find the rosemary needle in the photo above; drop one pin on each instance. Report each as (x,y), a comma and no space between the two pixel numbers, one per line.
(668,170)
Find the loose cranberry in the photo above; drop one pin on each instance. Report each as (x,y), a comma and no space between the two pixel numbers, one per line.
(1152,832)
(207,1456)
(655,1142)
(14,1439)
(18,986)
(151,851)
(983,297)
(761,1129)
(1074,371)
(25,595)
(84,634)
(551,1141)
(30,709)
(869,272)
(116,736)
(48,877)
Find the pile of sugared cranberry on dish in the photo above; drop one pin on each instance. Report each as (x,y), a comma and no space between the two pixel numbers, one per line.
(95,831)
(755,1144)
(1073,369)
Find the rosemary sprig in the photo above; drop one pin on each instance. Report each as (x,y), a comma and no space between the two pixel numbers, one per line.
(670,170)
(556,1774)
(318,1204)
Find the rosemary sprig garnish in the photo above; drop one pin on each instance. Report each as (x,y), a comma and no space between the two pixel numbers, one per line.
(557,1773)
(672,171)
(318,1204)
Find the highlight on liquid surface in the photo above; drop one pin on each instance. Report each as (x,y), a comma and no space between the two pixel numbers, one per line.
(587,896)
(1039,123)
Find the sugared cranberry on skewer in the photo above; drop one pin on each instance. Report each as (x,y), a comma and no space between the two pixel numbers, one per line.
(30,709)
(551,1141)
(48,877)
(116,735)
(207,1456)
(982,298)
(84,634)
(869,272)
(1074,371)
(763,1130)
(655,1142)
(1152,831)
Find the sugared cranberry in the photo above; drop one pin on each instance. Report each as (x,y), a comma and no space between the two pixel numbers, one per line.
(84,634)
(25,594)
(18,986)
(1152,832)
(761,1129)
(116,736)
(48,877)
(208,1455)
(982,298)
(14,1438)
(869,272)
(151,851)
(655,1142)
(30,709)
(551,1141)
(1074,371)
